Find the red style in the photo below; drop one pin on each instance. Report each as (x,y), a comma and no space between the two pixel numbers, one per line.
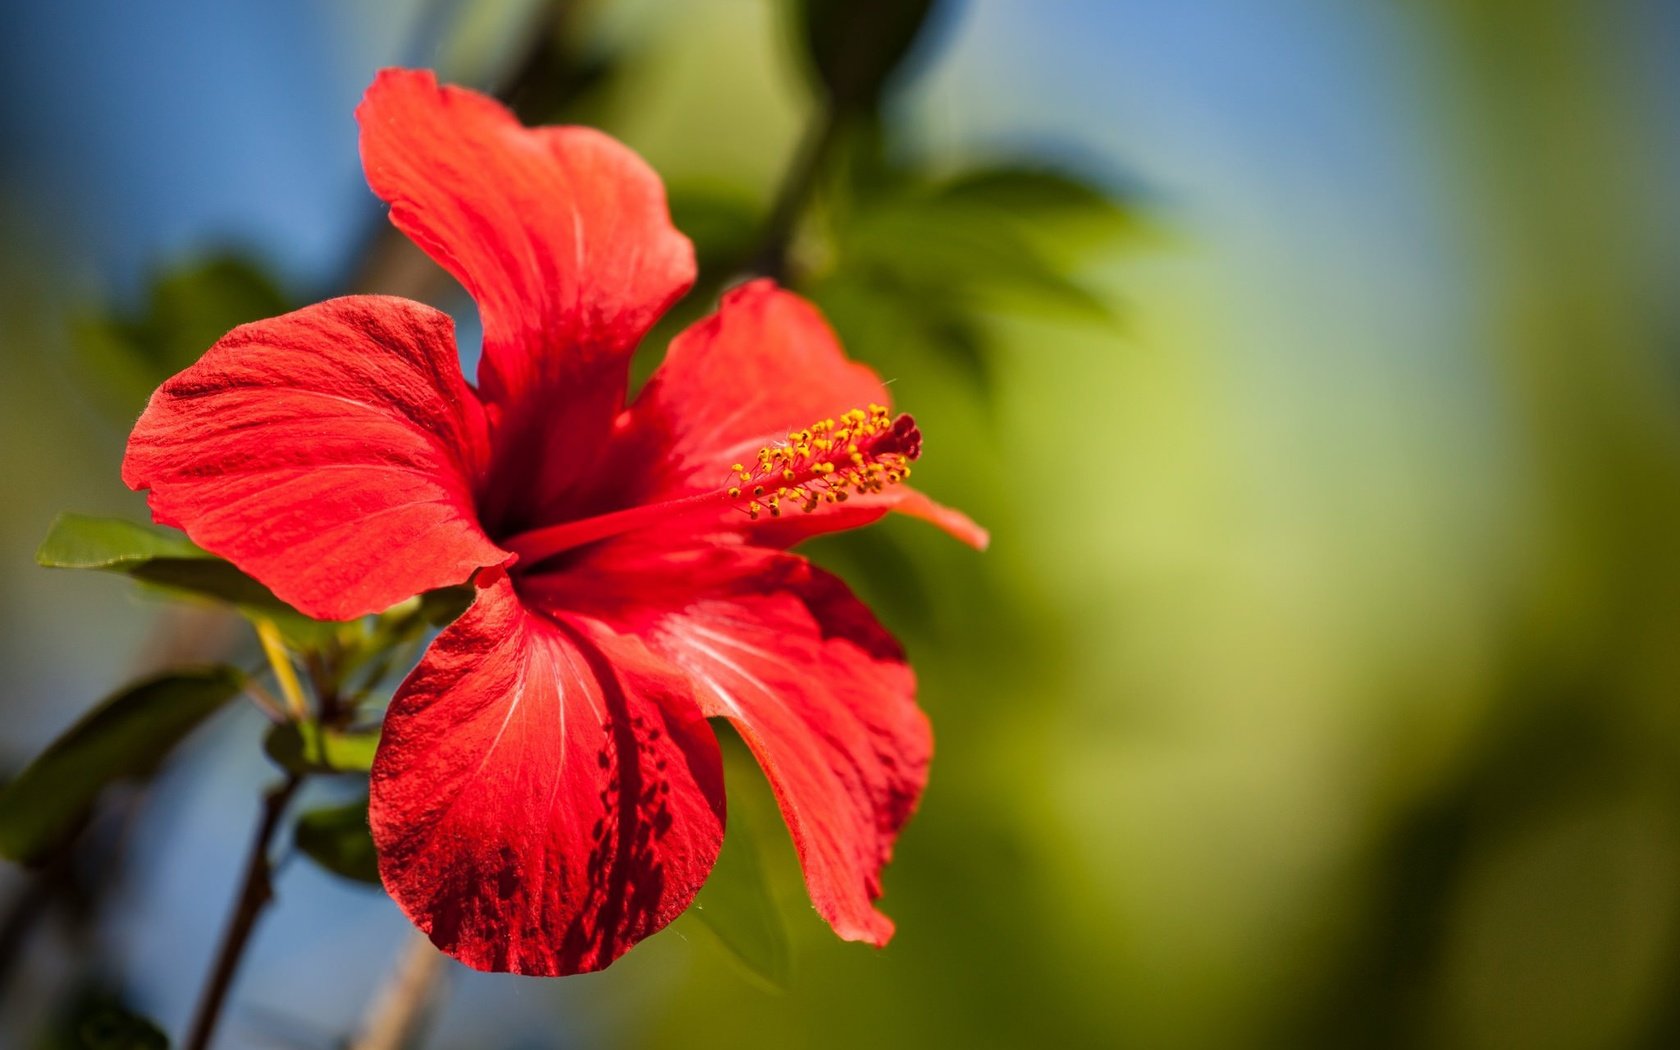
(547,791)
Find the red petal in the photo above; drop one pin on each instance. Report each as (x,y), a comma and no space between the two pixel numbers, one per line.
(916,505)
(332,453)
(543,798)
(816,687)
(764,364)
(858,511)
(561,234)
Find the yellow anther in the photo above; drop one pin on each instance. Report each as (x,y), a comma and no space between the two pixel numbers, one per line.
(861,452)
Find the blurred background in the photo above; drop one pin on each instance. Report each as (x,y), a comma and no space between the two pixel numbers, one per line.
(1313,363)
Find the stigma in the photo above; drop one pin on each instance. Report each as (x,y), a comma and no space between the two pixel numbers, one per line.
(864,451)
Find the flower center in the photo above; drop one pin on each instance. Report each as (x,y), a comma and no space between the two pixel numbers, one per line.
(861,453)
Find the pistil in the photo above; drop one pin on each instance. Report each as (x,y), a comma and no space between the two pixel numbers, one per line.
(861,453)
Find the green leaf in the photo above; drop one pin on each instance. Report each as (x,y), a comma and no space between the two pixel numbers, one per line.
(166,559)
(337,838)
(81,541)
(157,556)
(307,747)
(128,735)
(736,903)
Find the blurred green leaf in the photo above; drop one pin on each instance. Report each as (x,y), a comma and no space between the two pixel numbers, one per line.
(337,838)
(950,253)
(1060,212)
(193,306)
(186,309)
(444,606)
(856,45)
(736,904)
(308,747)
(916,265)
(723,223)
(99,1020)
(880,315)
(112,1028)
(1033,190)
(129,734)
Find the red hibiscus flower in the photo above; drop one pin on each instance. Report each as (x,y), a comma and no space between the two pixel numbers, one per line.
(547,791)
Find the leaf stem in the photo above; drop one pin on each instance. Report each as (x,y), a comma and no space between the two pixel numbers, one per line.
(254,894)
(284,673)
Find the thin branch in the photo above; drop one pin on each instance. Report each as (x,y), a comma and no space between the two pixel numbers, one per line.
(254,894)
(265,702)
(397,1015)
(771,259)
